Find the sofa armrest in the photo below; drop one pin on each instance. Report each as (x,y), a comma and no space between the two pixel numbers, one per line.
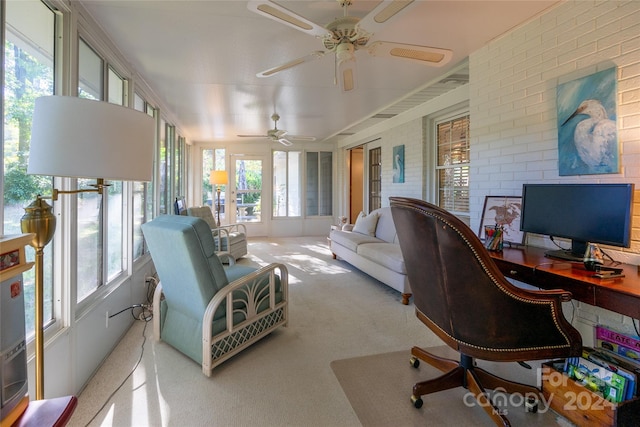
(347,227)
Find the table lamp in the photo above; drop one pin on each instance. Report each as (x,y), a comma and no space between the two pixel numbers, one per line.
(79,138)
(218,178)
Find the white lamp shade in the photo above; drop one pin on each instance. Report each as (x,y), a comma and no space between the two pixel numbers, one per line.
(84,138)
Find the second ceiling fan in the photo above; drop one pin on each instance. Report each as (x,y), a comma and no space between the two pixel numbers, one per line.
(347,34)
(278,135)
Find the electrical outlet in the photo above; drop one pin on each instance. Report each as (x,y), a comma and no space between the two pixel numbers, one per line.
(107,320)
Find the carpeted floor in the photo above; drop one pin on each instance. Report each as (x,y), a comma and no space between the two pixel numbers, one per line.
(338,318)
(335,312)
(379,388)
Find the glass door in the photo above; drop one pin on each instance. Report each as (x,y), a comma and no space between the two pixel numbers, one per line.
(245,190)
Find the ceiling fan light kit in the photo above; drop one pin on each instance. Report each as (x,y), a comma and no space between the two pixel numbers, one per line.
(347,34)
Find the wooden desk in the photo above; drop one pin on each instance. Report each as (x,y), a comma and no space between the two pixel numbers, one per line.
(529,265)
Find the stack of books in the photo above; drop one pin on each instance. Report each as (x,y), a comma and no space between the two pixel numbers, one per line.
(611,368)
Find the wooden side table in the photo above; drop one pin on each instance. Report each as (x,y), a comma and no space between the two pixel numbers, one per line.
(54,412)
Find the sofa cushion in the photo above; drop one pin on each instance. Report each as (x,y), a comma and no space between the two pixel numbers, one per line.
(351,240)
(366,224)
(386,228)
(387,255)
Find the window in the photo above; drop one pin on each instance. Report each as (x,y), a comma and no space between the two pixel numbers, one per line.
(101,225)
(28,61)
(115,213)
(179,152)
(452,140)
(142,198)
(375,178)
(319,196)
(164,169)
(286,183)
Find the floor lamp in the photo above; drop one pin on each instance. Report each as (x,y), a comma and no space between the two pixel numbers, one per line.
(218,178)
(79,138)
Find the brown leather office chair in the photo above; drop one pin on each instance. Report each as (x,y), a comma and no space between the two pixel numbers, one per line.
(462,296)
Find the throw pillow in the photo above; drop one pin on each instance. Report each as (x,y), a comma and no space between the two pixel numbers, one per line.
(366,224)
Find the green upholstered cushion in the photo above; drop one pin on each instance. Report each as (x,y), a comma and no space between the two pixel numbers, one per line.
(183,253)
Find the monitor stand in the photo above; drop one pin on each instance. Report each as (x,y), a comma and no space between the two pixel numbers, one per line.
(566,255)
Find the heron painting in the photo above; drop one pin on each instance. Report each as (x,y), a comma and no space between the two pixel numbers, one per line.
(398,164)
(587,130)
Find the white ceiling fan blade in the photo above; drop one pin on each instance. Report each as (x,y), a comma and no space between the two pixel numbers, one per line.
(386,10)
(253,136)
(283,15)
(428,55)
(301,138)
(310,57)
(280,133)
(285,142)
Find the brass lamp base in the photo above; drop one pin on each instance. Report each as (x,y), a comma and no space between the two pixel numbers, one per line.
(39,219)
(218,206)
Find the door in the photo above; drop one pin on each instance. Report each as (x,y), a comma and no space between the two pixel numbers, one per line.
(356,182)
(246,196)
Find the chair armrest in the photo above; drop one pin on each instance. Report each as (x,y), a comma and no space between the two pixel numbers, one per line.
(221,233)
(226,256)
(254,299)
(564,296)
(550,295)
(237,227)
(157,299)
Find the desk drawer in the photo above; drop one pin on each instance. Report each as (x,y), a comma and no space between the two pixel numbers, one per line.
(520,273)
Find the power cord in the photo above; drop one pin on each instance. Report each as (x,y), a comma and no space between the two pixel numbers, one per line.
(146,314)
(144,340)
(557,244)
(152,283)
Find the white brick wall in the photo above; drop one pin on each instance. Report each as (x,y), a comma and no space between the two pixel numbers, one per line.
(513,111)
(513,92)
(410,135)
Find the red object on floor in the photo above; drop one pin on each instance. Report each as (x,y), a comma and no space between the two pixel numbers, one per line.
(48,412)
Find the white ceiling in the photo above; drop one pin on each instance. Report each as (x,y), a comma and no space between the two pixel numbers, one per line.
(201,59)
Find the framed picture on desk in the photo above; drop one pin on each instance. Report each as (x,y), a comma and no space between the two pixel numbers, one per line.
(503,211)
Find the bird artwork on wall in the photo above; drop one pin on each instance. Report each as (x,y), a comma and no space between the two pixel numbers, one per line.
(398,164)
(587,130)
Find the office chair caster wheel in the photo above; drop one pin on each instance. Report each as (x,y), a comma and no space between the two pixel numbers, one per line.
(531,404)
(414,361)
(417,401)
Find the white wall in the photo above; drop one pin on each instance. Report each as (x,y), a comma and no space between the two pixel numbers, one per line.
(513,84)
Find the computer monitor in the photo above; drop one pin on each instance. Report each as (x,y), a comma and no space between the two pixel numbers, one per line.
(595,213)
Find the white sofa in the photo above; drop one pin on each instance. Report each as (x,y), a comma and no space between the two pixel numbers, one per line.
(374,251)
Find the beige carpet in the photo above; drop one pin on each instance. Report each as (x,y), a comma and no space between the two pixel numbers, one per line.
(379,389)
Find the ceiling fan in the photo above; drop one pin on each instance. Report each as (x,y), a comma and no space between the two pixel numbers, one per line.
(345,35)
(278,135)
